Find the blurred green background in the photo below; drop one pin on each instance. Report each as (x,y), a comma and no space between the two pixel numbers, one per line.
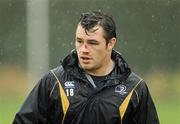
(148,34)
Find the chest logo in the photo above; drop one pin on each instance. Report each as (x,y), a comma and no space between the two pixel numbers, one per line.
(121,89)
(69,88)
(69,84)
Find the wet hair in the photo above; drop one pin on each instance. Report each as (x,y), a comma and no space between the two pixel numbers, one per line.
(89,20)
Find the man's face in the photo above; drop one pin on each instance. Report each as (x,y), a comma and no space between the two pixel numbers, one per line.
(93,53)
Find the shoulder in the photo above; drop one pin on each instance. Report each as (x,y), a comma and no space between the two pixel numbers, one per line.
(134,77)
(140,83)
(140,92)
(48,80)
(58,69)
(134,80)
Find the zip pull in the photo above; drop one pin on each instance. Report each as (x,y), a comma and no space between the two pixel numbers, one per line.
(90,80)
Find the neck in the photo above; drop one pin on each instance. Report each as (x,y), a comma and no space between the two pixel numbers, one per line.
(105,70)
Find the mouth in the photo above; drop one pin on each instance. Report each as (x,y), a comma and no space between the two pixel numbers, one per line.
(85,59)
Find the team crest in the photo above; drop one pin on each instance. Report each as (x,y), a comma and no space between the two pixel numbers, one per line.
(121,89)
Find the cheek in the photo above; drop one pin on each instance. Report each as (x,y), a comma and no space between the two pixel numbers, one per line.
(76,46)
(100,55)
(99,51)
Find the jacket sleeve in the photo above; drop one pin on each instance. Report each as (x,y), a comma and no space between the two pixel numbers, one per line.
(34,110)
(144,111)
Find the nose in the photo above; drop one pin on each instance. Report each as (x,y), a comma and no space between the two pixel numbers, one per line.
(84,48)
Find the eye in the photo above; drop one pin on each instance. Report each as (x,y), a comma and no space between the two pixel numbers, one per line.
(93,42)
(79,41)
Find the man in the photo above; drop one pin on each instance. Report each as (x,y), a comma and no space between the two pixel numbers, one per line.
(93,84)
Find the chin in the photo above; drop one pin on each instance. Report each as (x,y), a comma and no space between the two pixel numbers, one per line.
(86,67)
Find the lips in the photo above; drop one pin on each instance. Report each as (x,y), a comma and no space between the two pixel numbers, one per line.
(85,59)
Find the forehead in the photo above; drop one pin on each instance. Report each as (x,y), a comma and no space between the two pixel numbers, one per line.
(96,32)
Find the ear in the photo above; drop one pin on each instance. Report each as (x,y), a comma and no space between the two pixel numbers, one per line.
(111,43)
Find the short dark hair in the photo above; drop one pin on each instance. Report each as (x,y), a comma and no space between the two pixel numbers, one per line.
(91,19)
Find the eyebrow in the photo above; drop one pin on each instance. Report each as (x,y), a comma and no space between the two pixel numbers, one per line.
(79,38)
(87,40)
(92,40)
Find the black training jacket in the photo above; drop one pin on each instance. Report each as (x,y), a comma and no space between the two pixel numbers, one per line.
(66,96)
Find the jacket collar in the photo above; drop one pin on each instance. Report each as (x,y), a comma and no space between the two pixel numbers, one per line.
(70,65)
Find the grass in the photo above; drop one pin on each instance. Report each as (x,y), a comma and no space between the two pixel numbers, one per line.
(13,88)
(168,111)
(8,108)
